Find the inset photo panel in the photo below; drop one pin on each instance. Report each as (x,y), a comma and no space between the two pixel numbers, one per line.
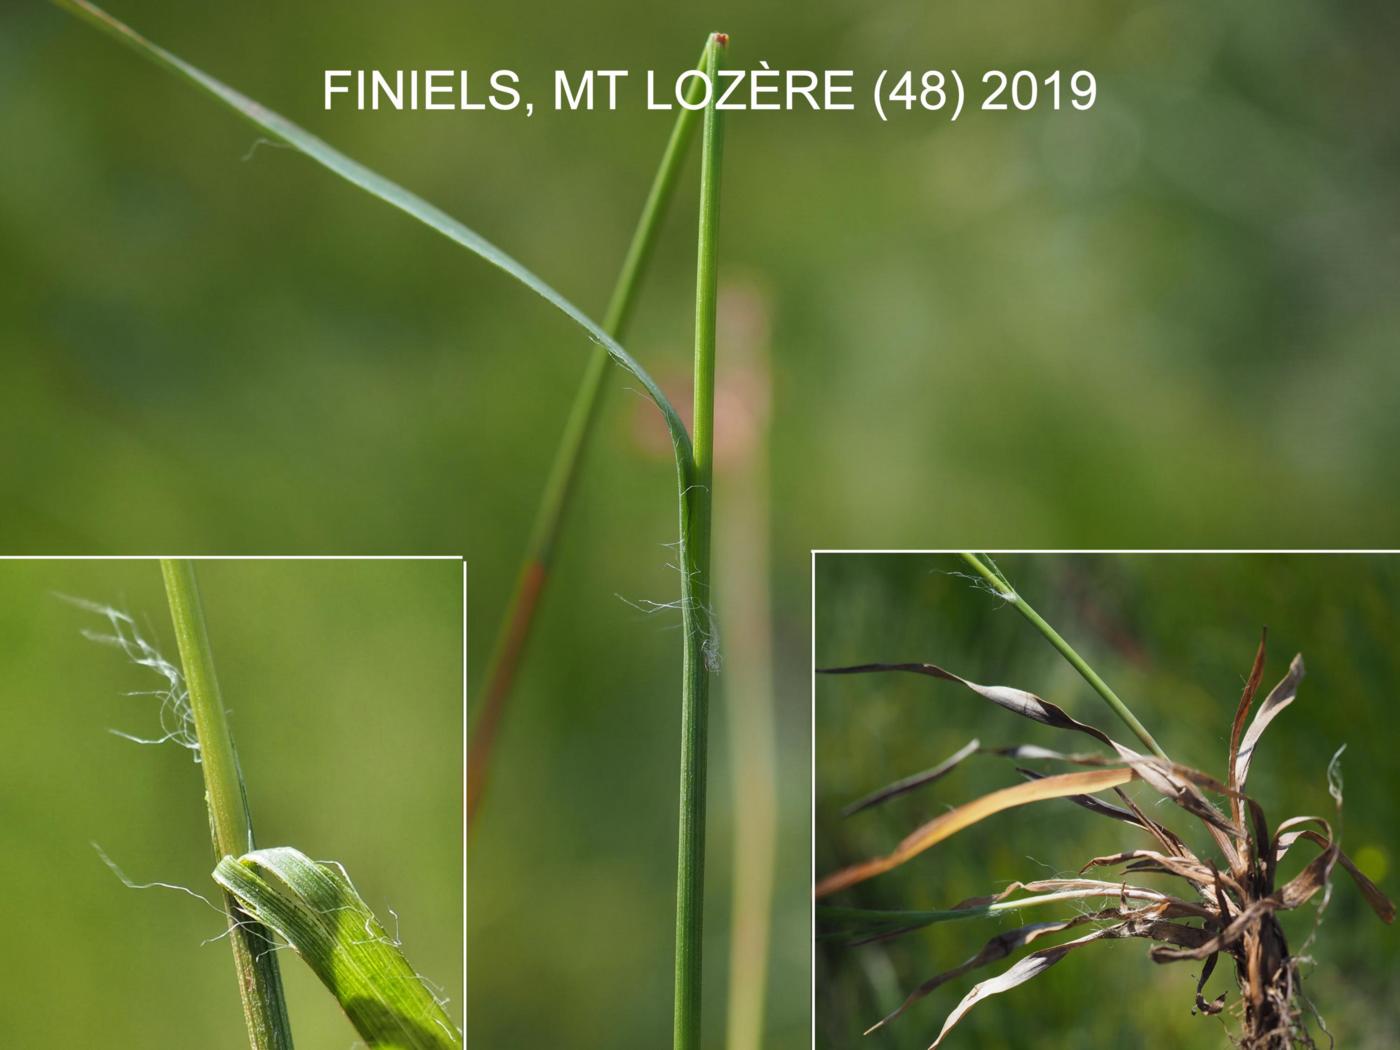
(233,802)
(1104,799)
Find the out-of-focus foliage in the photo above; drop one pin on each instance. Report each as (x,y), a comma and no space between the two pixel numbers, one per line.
(1175,635)
(344,686)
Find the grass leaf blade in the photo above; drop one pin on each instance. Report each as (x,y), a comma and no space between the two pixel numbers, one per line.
(1279,697)
(1256,673)
(316,908)
(948,824)
(912,783)
(999,947)
(283,130)
(1017,701)
(517,624)
(1032,965)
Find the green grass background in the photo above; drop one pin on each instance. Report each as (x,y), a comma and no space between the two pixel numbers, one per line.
(1175,637)
(1166,322)
(344,685)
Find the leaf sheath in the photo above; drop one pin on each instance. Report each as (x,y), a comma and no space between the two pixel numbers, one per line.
(316,909)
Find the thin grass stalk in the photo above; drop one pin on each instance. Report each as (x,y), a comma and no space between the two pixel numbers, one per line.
(516,627)
(696,610)
(230,825)
(997,580)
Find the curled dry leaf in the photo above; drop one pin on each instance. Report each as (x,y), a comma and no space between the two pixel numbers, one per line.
(1018,701)
(999,947)
(955,820)
(1038,962)
(1092,804)
(1032,965)
(911,783)
(1251,686)
(1279,697)
(1028,705)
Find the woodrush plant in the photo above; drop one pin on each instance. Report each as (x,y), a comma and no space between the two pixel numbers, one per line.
(269,893)
(1228,904)
(693,453)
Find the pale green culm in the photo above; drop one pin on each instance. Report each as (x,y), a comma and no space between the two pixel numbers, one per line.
(230,823)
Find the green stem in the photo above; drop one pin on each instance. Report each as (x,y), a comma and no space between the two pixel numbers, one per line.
(698,501)
(519,620)
(230,826)
(998,581)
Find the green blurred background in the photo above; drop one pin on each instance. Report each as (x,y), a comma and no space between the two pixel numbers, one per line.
(344,684)
(1168,321)
(1175,636)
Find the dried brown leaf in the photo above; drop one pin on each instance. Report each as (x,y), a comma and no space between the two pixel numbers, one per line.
(1279,697)
(1032,965)
(1379,902)
(1036,963)
(1018,701)
(999,947)
(955,820)
(911,783)
(1296,892)
(1256,674)
(1218,1003)
(1156,773)
(1150,860)
(1089,802)
(1171,842)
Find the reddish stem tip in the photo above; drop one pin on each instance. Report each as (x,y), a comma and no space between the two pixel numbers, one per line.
(722,39)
